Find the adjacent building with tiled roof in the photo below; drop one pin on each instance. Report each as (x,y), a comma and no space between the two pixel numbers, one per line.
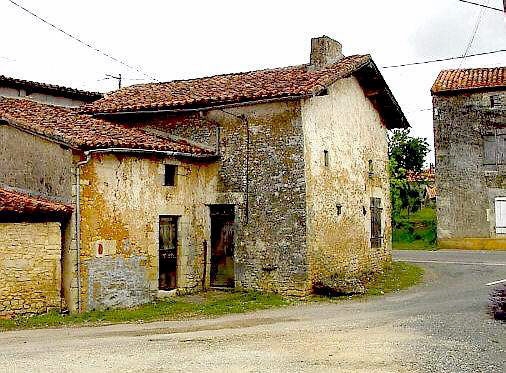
(470,146)
(271,180)
(459,80)
(68,127)
(45,93)
(20,206)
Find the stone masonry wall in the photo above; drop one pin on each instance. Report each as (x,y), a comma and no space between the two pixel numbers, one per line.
(345,124)
(270,227)
(271,250)
(30,269)
(466,189)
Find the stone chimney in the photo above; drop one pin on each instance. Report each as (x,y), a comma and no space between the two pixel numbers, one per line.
(325,51)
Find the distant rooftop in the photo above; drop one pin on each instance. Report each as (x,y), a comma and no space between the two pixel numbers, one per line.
(56,90)
(469,79)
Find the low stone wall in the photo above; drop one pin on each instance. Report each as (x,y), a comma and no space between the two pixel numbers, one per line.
(30,269)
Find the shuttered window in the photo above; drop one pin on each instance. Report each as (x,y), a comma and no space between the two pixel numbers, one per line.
(500,215)
(376,234)
(494,150)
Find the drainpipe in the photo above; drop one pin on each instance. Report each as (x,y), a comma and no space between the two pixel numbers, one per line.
(78,225)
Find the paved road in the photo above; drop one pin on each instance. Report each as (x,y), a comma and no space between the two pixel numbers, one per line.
(439,326)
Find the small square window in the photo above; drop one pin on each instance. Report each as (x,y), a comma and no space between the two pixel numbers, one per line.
(495,101)
(170,175)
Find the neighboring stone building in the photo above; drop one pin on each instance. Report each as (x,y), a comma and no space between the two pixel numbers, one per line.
(45,93)
(30,253)
(470,145)
(273,180)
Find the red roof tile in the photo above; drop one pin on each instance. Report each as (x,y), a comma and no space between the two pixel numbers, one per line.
(226,89)
(57,90)
(469,79)
(84,132)
(16,204)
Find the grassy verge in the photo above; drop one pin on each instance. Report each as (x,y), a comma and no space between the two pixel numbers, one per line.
(416,231)
(209,304)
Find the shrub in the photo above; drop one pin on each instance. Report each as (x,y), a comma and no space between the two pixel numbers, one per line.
(498,302)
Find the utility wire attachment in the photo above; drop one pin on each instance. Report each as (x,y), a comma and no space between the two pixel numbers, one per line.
(117,77)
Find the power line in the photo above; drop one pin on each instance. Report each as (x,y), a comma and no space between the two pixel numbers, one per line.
(482,5)
(443,59)
(88,45)
(475,31)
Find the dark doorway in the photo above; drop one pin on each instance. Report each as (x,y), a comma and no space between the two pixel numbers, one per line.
(222,245)
(167,268)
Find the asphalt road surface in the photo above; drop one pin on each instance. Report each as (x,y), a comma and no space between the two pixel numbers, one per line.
(439,326)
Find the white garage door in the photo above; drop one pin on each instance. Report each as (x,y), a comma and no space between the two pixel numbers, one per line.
(500,215)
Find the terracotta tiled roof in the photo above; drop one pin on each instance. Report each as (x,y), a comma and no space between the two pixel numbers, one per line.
(84,132)
(14,204)
(49,88)
(469,79)
(226,89)
(427,175)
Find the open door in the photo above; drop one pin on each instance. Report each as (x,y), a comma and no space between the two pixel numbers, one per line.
(222,245)
(167,253)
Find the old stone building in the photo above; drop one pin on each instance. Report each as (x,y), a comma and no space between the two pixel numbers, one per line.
(45,93)
(30,253)
(273,180)
(470,145)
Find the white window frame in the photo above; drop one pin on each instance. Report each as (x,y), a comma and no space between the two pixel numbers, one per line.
(500,215)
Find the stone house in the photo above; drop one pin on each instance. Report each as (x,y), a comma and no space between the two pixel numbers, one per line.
(30,253)
(45,93)
(272,180)
(470,145)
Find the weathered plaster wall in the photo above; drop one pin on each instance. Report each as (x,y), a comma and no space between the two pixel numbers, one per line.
(466,189)
(122,198)
(30,270)
(345,124)
(40,97)
(32,163)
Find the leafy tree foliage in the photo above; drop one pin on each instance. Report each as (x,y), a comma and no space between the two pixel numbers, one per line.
(406,153)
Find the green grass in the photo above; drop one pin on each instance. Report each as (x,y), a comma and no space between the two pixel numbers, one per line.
(396,276)
(206,304)
(416,231)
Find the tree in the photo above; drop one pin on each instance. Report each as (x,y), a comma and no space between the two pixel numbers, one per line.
(406,153)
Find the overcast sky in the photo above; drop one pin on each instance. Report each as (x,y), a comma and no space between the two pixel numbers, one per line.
(191,38)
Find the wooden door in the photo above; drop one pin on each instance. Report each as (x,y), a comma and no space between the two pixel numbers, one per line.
(167,253)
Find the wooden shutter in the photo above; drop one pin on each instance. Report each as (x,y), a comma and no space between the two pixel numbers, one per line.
(489,150)
(376,236)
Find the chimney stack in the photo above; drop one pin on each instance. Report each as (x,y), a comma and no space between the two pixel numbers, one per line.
(325,51)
